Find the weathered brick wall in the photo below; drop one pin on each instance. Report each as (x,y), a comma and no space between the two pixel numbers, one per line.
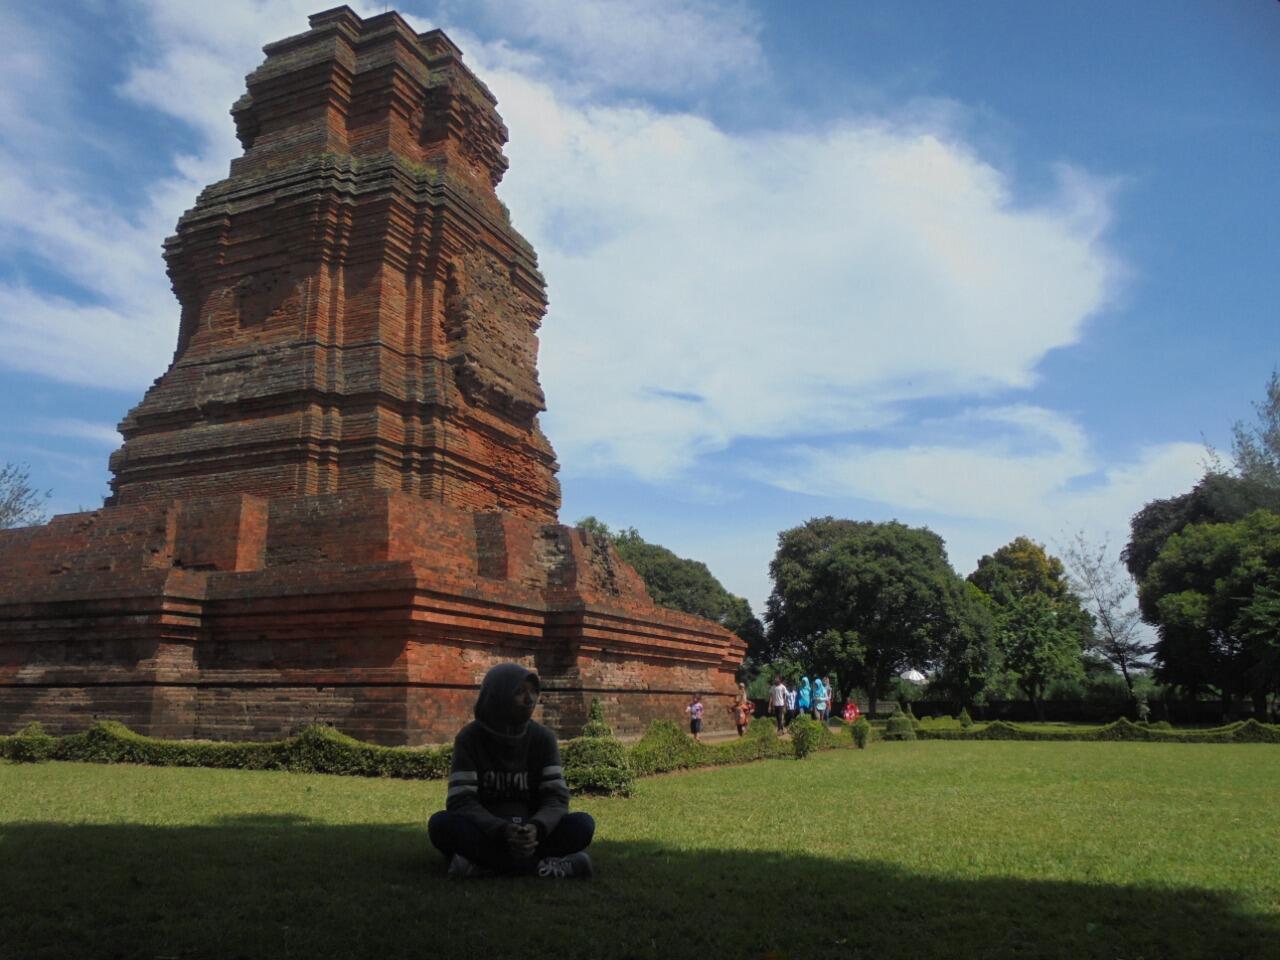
(378,612)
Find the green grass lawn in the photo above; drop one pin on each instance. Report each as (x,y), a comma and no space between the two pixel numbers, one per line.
(915,850)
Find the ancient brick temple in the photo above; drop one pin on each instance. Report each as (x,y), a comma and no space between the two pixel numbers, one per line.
(337,505)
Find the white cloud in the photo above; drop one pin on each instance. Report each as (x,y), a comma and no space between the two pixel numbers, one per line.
(1034,473)
(707,286)
(640,46)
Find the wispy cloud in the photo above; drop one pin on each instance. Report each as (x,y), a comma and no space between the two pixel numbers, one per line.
(102,434)
(630,46)
(1034,472)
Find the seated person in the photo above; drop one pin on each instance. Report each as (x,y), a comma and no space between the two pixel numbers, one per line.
(507,805)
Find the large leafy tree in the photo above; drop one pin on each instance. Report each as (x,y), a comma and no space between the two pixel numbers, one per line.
(21,504)
(681,584)
(1193,651)
(1214,594)
(1042,630)
(966,660)
(864,601)
(1217,498)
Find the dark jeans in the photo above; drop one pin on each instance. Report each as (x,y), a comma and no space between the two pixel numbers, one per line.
(452,833)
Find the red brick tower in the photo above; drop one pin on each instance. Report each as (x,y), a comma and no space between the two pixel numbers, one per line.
(357,311)
(336,505)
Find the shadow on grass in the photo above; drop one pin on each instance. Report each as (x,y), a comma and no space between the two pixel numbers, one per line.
(268,886)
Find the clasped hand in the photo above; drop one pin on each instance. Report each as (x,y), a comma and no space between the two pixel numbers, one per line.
(522,839)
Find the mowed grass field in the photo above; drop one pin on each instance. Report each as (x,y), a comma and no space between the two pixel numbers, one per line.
(931,849)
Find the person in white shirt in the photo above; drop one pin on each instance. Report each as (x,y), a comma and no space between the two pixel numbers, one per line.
(791,706)
(778,702)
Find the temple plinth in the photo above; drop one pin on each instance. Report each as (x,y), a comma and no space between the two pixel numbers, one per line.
(337,505)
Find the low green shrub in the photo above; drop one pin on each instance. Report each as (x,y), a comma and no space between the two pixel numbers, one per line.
(900,727)
(29,745)
(597,764)
(596,725)
(1248,731)
(1160,725)
(966,721)
(806,733)
(315,749)
(665,747)
(861,731)
(1251,731)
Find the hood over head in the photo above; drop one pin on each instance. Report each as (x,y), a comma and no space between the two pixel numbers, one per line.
(493,706)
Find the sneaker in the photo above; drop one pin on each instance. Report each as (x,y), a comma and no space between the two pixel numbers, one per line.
(460,868)
(576,866)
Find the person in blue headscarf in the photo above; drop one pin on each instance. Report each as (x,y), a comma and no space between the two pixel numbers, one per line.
(804,696)
(821,699)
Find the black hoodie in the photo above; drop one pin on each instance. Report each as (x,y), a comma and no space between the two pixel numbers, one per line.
(502,772)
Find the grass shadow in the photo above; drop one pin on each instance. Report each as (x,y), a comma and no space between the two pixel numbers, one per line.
(281,886)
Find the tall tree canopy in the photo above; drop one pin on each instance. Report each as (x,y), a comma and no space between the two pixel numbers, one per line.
(1200,646)
(966,660)
(862,600)
(1217,498)
(680,584)
(1214,593)
(1042,630)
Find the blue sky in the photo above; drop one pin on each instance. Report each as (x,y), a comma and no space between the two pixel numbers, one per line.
(996,268)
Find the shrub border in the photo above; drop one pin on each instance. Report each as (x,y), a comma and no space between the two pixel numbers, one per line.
(1243,731)
(593,764)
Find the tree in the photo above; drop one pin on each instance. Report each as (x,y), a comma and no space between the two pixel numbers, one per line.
(1256,448)
(1041,628)
(1106,590)
(680,584)
(1217,498)
(862,600)
(21,505)
(966,659)
(1036,647)
(1212,593)
(1193,651)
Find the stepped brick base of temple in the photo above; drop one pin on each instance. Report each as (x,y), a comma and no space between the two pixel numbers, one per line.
(241,617)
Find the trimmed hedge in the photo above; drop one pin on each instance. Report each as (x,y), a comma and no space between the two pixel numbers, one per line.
(900,727)
(666,747)
(1245,731)
(809,735)
(861,731)
(315,749)
(595,764)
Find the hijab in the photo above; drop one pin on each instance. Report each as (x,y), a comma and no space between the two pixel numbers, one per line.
(493,706)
